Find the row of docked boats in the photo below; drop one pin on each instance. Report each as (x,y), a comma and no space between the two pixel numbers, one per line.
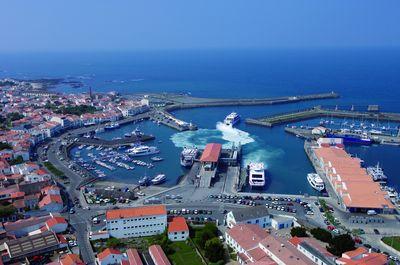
(158,179)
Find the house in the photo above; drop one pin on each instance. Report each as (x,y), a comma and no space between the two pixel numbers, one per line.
(57,224)
(362,256)
(5,167)
(71,259)
(110,256)
(282,221)
(258,215)
(136,221)
(37,176)
(313,250)
(51,190)
(51,203)
(178,230)
(158,256)
(133,257)
(23,227)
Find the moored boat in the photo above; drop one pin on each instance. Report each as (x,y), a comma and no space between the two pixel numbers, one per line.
(160,178)
(232,119)
(316,181)
(188,155)
(256,173)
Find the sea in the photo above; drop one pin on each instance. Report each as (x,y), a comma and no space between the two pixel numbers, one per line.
(361,76)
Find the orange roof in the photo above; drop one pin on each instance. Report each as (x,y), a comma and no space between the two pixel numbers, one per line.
(107,252)
(49,199)
(211,153)
(71,259)
(178,224)
(158,255)
(56,220)
(136,212)
(295,241)
(361,256)
(133,257)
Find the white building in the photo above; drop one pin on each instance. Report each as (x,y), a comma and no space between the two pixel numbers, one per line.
(178,230)
(281,222)
(136,221)
(110,256)
(250,215)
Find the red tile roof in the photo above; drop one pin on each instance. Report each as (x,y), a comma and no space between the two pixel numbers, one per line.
(50,199)
(247,235)
(133,257)
(361,256)
(71,259)
(136,212)
(158,255)
(211,153)
(56,220)
(107,252)
(178,224)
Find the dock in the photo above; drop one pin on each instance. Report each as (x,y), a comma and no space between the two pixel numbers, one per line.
(167,119)
(114,143)
(320,112)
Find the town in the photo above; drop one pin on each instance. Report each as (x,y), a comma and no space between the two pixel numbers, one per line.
(54,209)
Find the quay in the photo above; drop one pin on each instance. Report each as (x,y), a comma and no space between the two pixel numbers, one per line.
(320,112)
(307,133)
(165,118)
(114,143)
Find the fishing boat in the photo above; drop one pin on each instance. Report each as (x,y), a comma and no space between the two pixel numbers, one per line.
(188,155)
(160,178)
(232,119)
(316,181)
(256,172)
(376,173)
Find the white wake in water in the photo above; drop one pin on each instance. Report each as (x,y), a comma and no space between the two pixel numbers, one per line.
(202,137)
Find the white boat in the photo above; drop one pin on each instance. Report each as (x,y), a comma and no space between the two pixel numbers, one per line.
(112,125)
(256,172)
(316,181)
(232,119)
(143,150)
(376,173)
(188,155)
(160,178)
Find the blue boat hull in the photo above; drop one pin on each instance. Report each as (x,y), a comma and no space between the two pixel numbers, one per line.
(351,139)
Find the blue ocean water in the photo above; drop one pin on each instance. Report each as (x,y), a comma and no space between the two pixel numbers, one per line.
(360,76)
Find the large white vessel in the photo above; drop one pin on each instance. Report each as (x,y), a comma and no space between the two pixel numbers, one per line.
(316,181)
(143,150)
(160,178)
(256,173)
(232,119)
(376,173)
(188,156)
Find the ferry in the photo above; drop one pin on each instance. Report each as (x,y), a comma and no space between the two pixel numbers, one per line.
(112,125)
(232,119)
(188,156)
(256,172)
(160,178)
(352,139)
(316,181)
(143,150)
(376,173)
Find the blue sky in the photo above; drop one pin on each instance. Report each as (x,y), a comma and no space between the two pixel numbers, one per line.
(50,25)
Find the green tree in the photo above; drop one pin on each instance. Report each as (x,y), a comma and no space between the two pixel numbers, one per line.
(5,146)
(202,236)
(113,242)
(298,231)
(214,250)
(340,244)
(321,234)
(7,210)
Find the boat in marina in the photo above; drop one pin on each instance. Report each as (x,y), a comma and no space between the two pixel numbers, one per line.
(316,181)
(362,139)
(376,173)
(144,181)
(256,173)
(156,159)
(160,178)
(232,119)
(143,150)
(188,155)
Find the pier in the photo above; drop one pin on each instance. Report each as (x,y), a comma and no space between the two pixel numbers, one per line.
(116,142)
(320,112)
(165,118)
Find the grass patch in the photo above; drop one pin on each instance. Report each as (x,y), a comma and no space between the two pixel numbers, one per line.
(184,254)
(329,216)
(56,172)
(393,241)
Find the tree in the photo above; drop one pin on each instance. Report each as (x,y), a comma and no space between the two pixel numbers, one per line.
(340,244)
(321,234)
(214,250)
(5,146)
(298,231)
(7,210)
(113,242)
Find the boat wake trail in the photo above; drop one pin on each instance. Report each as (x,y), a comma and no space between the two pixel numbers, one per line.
(223,134)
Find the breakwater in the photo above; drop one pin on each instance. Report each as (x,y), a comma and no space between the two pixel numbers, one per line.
(317,112)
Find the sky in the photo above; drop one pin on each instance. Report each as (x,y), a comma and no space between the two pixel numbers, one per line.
(119,25)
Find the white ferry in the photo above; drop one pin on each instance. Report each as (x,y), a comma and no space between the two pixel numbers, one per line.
(160,178)
(188,156)
(232,119)
(316,181)
(256,172)
(143,150)
(376,173)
